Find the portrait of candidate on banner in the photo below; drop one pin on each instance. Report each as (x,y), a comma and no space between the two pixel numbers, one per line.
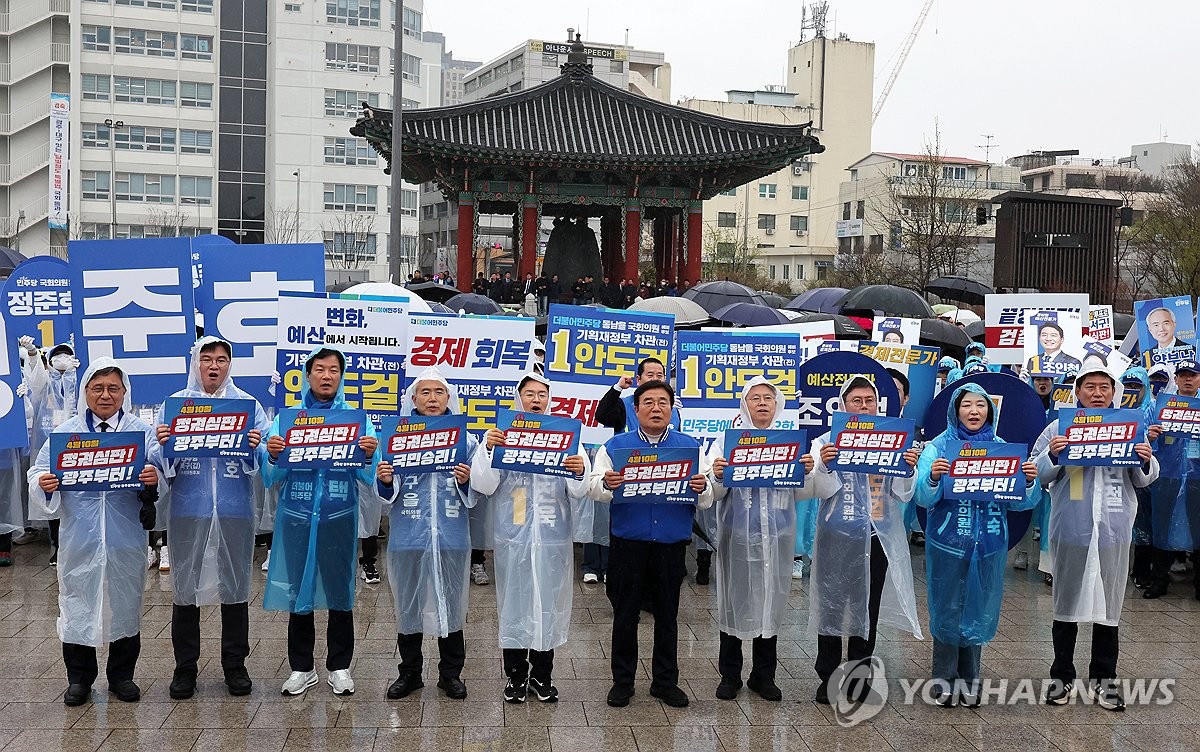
(894,330)
(1166,329)
(1053,343)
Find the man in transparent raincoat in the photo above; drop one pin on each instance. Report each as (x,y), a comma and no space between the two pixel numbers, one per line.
(316,538)
(861,572)
(535,553)
(966,550)
(756,538)
(210,520)
(102,540)
(1091,526)
(429,550)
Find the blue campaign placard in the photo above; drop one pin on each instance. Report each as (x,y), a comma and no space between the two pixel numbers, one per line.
(416,444)
(321,439)
(764,459)
(918,364)
(1178,415)
(985,471)
(535,443)
(819,382)
(1101,437)
(597,346)
(655,475)
(14,433)
(37,301)
(203,427)
(109,461)
(871,444)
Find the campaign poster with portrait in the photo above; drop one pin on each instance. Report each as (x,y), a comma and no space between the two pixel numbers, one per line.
(1166,330)
(896,330)
(1005,318)
(1053,343)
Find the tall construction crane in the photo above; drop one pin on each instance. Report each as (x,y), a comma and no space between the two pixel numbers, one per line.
(908,45)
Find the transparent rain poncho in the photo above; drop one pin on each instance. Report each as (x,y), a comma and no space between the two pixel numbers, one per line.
(53,399)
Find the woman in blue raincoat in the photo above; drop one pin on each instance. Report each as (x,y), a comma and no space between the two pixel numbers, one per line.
(966,549)
(316,537)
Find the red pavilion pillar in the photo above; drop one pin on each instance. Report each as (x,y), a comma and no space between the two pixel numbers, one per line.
(529,237)
(695,228)
(680,250)
(671,254)
(466,241)
(633,238)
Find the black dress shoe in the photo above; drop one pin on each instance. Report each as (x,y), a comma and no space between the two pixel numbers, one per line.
(405,684)
(620,695)
(728,688)
(126,690)
(822,695)
(183,684)
(453,687)
(237,679)
(765,689)
(77,694)
(673,696)
(1157,589)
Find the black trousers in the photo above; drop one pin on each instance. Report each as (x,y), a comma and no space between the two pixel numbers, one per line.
(762,661)
(235,635)
(54,533)
(6,543)
(122,658)
(595,558)
(1161,561)
(633,568)
(1104,651)
(478,556)
(452,650)
(302,640)
(370,550)
(518,660)
(829,647)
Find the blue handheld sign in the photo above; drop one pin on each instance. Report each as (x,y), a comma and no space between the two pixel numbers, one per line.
(656,474)
(203,427)
(109,461)
(871,444)
(764,459)
(535,443)
(1101,437)
(418,444)
(321,439)
(985,470)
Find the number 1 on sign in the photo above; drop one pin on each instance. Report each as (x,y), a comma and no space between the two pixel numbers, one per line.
(46,329)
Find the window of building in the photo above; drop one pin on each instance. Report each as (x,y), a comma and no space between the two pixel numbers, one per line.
(408,203)
(1080,180)
(153,4)
(348,151)
(726,219)
(846,210)
(147,188)
(353,12)
(196,190)
(145,90)
(766,221)
(787,268)
(145,42)
(96,88)
(195,47)
(822,270)
(145,138)
(799,271)
(96,135)
(349,197)
(730,192)
(195,94)
(412,22)
(96,184)
(771,271)
(860,209)
(409,104)
(766,190)
(876,244)
(954,173)
(799,222)
(344,103)
(350,246)
(359,58)
(291,7)
(197,6)
(195,142)
(799,192)
(97,38)
(411,68)
(616,66)
(549,61)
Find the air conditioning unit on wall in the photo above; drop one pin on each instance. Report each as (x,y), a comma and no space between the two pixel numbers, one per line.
(770,230)
(801,233)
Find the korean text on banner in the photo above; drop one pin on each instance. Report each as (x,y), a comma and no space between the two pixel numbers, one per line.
(321,439)
(919,365)
(656,475)
(201,427)
(417,444)
(536,443)
(871,444)
(37,301)
(60,158)
(1100,436)
(370,333)
(133,302)
(715,366)
(820,382)
(1053,343)
(1166,330)
(13,432)
(764,459)
(896,330)
(1100,323)
(238,293)
(483,356)
(1179,415)
(110,461)
(985,471)
(588,350)
(1004,320)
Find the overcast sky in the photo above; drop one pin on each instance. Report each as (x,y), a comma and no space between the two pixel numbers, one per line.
(1093,75)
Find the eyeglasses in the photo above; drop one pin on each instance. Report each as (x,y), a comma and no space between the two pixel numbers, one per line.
(207,361)
(860,401)
(100,389)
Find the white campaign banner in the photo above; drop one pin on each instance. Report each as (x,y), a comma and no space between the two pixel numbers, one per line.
(60,140)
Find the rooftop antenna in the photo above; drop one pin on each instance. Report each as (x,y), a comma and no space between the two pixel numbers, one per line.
(987,148)
(814,17)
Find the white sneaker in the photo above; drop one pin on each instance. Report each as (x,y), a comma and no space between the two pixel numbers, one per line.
(267,561)
(797,569)
(164,560)
(479,575)
(1022,561)
(340,681)
(590,578)
(299,682)
(151,557)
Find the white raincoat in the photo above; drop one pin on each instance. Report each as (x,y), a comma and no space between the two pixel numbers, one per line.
(210,513)
(429,545)
(755,539)
(102,546)
(52,400)
(852,508)
(1091,527)
(534,548)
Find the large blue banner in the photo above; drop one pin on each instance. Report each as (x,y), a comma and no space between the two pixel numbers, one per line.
(199,243)
(871,444)
(655,474)
(133,302)
(321,439)
(37,301)
(419,444)
(985,471)
(203,427)
(820,381)
(238,294)
(764,459)
(918,364)
(1100,436)
(536,443)
(109,461)
(13,431)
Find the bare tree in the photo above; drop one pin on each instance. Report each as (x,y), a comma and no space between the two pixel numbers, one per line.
(1169,239)
(728,255)
(348,239)
(283,225)
(165,222)
(8,231)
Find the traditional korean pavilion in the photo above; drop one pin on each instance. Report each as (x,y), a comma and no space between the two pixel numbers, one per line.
(579,147)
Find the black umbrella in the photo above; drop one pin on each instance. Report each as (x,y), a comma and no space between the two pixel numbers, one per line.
(943,334)
(714,295)
(818,300)
(773,299)
(975,330)
(9,259)
(436,307)
(472,303)
(750,314)
(888,300)
(962,289)
(844,327)
(433,291)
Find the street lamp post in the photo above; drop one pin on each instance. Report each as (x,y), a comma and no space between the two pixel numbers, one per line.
(296,237)
(113,126)
(17,232)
